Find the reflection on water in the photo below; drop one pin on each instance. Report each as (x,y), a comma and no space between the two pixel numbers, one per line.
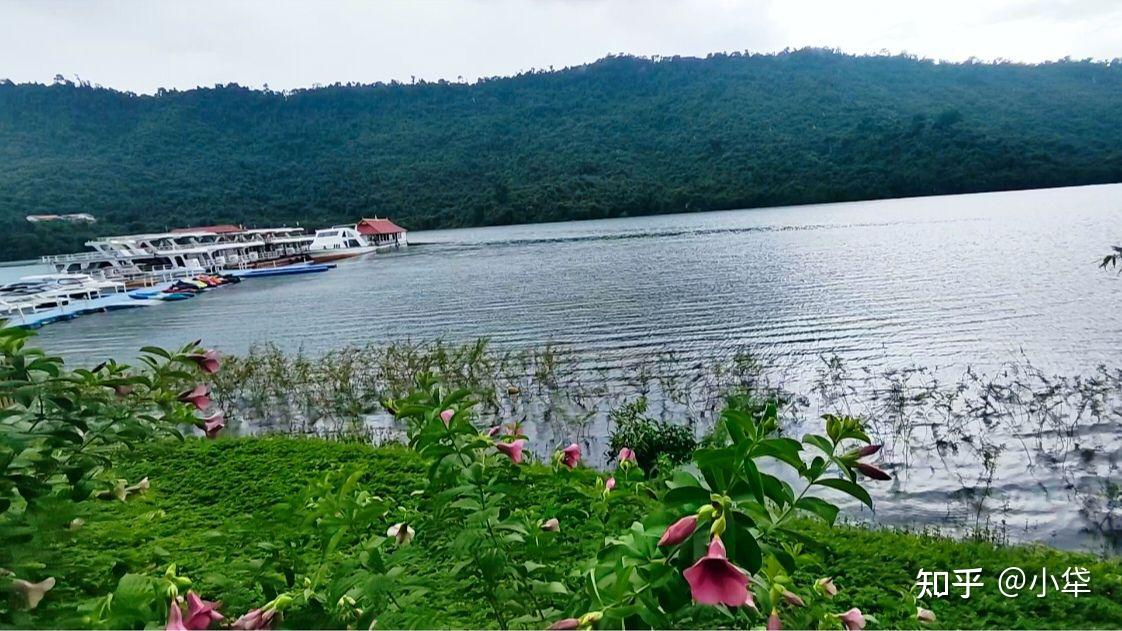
(941,282)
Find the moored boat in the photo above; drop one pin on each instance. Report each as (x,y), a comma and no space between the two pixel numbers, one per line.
(340,242)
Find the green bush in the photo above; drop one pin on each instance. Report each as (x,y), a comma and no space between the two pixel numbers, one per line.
(653,441)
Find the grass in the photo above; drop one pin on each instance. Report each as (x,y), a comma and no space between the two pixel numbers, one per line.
(210,509)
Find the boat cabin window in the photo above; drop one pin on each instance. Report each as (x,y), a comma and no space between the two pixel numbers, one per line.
(353,243)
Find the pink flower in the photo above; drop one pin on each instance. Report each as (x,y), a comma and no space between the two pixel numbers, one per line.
(201,613)
(175,617)
(571,455)
(551,525)
(793,599)
(925,615)
(773,623)
(494,431)
(207,361)
(199,396)
(446,416)
(401,533)
(626,454)
(255,619)
(715,581)
(212,424)
(826,587)
(678,531)
(33,592)
(565,624)
(512,450)
(852,620)
(610,484)
(867,450)
(871,471)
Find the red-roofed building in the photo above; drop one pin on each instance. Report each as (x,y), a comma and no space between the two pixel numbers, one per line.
(381,232)
(220,229)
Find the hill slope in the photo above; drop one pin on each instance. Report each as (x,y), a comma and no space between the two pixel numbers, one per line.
(622,136)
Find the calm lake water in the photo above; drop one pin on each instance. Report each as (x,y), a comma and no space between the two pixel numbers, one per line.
(944,282)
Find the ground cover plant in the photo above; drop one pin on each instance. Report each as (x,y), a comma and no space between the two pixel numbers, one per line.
(210,509)
(459,526)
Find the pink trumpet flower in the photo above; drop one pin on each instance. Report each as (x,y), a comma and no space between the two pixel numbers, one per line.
(793,599)
(254,620)
(625,455)
(714,580)
(678,531)
(513,450)
(212,424)
(494,431)
(199,396)
(571,455)
(826,587)
(564,624)
(33,592)
(175,618)
(207,361)
(852,620)
(773,623)
(446,416)
(870,471)
(610,484)
(201,613)
(925,615)
(551,525)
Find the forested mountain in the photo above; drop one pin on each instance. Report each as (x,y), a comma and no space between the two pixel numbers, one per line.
(622,136)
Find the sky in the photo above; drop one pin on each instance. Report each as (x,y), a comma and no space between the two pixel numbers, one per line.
(142,45)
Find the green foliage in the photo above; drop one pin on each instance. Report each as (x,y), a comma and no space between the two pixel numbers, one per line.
(656,443)
(623,136)
(729,500)
(59,432)
(210,506)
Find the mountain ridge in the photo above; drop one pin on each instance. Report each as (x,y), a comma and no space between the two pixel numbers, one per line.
(622,136)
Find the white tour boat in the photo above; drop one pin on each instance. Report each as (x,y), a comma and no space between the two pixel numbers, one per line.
(336,243)
(146,259)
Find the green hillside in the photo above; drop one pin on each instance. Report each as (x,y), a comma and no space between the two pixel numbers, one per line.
(622,136)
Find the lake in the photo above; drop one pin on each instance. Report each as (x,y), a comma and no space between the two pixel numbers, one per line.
(943,282)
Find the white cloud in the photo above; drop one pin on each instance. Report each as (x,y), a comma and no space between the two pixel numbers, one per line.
(142,45)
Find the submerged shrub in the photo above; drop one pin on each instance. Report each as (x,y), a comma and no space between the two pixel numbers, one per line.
(650,440)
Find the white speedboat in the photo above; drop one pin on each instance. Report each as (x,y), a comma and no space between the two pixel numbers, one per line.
(336,243)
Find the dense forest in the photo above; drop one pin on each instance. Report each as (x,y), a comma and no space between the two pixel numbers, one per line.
(621,136)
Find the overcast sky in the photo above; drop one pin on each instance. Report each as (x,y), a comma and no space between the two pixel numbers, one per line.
(141,45)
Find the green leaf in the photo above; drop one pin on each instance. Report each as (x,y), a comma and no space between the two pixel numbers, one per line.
(850,488)
(783,449)
(156,350)
(818,506)
(820,442)
(687,496)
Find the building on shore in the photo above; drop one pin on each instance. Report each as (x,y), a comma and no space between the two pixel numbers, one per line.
(71,218)
(382,232)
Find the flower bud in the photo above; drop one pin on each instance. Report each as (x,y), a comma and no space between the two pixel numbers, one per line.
(718,527)
(826,587)
(707,511)
(679,531)
(587,620)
